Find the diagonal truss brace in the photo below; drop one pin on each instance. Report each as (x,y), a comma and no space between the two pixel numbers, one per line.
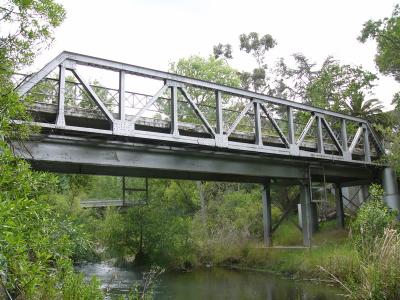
(150,103)
(240,117)
(197,110)
(356,139)
(305,130)
(275,125)
(93,95)
(332,135)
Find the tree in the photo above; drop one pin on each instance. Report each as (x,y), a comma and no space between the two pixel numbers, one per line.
(334,86)
(36,244)
(27,27)
(386,33)
(257,46)
(209,69)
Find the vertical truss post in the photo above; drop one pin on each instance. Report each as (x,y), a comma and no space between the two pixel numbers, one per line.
(367,151)
(343,136)
(174,110)
(320,137)
(291,136)
(294,148)
(220,124)
(343,133)
(121,98)
(267,219)
(257,124)
(60,121)
(339,206)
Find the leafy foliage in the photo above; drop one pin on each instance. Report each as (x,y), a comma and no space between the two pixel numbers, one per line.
(26,27)
(372,219)
(386,33)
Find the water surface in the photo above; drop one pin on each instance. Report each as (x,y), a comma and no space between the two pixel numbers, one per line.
(211,284)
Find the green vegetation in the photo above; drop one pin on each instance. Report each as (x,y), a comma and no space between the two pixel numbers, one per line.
(36,245)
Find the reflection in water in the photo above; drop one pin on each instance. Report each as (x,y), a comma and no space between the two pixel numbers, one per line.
(214,283)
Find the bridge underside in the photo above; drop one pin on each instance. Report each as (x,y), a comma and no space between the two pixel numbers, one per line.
(85,155)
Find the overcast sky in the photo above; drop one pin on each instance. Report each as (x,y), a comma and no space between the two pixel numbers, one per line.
(154,33)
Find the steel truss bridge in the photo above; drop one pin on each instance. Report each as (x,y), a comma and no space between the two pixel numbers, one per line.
(163,125)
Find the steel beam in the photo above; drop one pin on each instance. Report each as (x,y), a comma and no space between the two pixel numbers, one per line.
(257,124)
(198,111)
(320,138)
(267,217)
(219,115)
(121,95)
(306,213)
(276,126)
(339,206)
(93,95)
(96,156)
(391,189)
(60,121)
(367,152)
(174,111)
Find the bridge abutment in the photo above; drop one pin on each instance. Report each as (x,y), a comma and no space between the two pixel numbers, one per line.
(391,189)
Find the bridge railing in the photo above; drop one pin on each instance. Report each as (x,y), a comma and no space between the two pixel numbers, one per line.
(183,110)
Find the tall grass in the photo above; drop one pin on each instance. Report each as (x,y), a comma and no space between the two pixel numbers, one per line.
(378,272)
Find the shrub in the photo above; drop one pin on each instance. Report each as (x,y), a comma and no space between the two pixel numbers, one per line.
(371,221)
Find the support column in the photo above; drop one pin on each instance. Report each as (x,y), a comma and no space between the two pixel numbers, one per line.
(339,207)
(267,220)
(389,182)
(306,214)
(364,193)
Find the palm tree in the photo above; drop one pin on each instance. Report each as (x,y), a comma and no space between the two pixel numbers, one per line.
(366,109)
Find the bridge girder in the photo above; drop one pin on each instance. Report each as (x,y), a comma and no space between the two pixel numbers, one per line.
(65,154)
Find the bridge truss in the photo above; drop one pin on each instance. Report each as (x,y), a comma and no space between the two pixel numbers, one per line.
(187,112)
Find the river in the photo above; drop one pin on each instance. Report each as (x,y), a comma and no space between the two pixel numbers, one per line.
(211,284)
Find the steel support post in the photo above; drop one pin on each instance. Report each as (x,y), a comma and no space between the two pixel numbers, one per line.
(320,138)
(367,151)
(343,136)
(307,214)
(267,219)
(257,124)
(364,193)
(60,121)
(121,96)
(339,206)
(294,148)
(219,115)
(174,111)
(389,182)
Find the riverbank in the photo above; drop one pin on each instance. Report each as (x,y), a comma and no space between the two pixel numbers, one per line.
(298,263)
